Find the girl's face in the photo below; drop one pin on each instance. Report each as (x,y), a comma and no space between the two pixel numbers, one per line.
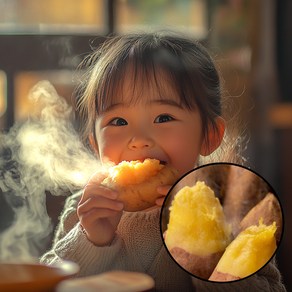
(154,126)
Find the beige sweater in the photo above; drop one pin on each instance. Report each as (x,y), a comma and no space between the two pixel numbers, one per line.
(138,247)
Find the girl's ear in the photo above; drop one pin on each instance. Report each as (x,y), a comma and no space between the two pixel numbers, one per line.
(93,144)
(214,138)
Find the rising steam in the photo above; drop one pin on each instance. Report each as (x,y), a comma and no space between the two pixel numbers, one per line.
(43,154)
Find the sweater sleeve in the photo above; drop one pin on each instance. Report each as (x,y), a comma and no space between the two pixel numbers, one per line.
(267,279)
(68,218)
(90,258)
(70,243)
(133,248)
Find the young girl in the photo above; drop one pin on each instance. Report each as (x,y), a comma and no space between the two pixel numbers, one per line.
(146,96)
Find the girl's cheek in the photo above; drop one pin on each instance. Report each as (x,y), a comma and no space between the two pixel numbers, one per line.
(175,141)
(183,150)
(109,146)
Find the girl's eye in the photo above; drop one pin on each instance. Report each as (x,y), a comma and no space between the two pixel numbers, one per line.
(163,119)
(118,122)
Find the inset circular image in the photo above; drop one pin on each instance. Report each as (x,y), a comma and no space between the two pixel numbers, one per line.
(221,222)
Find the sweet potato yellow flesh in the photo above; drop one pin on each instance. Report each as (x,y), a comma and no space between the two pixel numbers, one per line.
(196,222)
(134,172)
(249,251)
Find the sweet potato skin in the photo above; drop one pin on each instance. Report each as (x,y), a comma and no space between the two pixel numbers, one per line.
(199,266)
(243,191)
(222,277)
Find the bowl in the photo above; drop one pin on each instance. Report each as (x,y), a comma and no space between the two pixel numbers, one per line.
(32,277)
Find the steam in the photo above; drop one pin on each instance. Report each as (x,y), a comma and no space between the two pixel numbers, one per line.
(43,154)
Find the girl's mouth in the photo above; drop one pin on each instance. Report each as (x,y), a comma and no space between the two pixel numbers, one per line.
(142,159)
(163,162)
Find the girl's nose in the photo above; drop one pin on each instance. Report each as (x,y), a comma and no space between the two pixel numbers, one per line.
(139,142)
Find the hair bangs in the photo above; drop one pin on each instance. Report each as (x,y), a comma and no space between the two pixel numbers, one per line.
(146,67)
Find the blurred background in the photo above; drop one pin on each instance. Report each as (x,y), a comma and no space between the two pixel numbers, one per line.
(250,40)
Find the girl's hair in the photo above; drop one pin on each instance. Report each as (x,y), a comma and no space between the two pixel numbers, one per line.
(184,63)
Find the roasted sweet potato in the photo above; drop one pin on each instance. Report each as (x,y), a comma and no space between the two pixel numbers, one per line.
(249,209)
(137,182)
(247,253)
(197,233)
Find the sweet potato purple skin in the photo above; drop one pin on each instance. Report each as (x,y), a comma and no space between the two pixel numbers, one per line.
(199,266)
(222,277)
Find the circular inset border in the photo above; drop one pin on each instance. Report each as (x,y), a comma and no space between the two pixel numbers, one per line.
(219,181)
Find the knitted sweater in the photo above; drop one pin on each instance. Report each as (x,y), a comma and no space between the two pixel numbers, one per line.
(138,247)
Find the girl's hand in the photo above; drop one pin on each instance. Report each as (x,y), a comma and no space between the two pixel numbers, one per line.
(99,212)
(163,191)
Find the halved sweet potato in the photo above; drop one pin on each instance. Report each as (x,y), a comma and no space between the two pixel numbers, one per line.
(197,233)
(247,253)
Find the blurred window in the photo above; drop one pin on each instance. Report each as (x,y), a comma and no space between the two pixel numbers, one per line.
(53,16)
(189,16)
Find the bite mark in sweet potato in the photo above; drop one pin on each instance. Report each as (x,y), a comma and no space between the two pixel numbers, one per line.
(137,182)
